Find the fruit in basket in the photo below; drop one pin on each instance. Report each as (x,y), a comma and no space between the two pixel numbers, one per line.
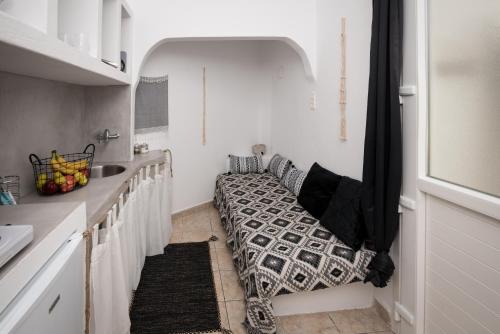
(64,188)
(69,185)
(81,178)
(76,165)
(57,167)
(49,188)
(41,180)
(70,180)
(59,179)
(86,172)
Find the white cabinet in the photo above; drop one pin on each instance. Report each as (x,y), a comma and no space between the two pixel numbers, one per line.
(40,14)
(53,302)
(65,40)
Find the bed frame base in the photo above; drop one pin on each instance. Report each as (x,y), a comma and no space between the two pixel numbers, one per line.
(352,296)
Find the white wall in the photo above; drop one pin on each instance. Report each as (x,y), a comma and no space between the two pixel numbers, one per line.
(237,97)
(156,20)
(306,136)
(38,116)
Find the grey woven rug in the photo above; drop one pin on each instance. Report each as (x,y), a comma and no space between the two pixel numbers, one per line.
(176,293)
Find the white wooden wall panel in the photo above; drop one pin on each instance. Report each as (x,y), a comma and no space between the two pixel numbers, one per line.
(431,327)
(458,258)
(459,316)
(462,241)
(463,270)
(462,280)
(444,322)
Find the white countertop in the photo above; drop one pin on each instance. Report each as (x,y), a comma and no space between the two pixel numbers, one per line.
(53,224)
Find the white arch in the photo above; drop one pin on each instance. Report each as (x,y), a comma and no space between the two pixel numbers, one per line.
(136,70)
(295,46)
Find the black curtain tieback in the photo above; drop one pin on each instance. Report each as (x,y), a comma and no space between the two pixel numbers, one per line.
(381,269)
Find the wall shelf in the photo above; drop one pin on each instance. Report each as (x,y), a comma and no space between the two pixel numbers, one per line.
(40,14)
(29,51)
(126,37)
(75,18)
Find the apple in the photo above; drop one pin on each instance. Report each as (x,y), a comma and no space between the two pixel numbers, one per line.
(85,172)
(70,180)
(49,188)
(66,188)
(69,185)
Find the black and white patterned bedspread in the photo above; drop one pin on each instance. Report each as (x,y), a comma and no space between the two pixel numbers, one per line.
(278,247)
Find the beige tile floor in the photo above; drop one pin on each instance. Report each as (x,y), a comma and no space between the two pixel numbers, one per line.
(201,224)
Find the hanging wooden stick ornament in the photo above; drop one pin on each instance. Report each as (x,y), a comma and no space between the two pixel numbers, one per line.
(204,129)
(342,95)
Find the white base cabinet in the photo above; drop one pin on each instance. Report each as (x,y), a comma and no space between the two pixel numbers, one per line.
(53,301)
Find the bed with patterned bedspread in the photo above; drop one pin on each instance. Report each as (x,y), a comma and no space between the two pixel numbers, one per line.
(278,247)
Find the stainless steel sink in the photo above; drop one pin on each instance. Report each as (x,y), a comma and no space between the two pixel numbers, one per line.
(106,170)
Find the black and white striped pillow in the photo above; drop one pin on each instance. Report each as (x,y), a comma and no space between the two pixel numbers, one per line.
(293,180)
(245,165)
(278,166)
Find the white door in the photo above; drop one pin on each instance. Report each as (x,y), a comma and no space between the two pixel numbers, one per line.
(459,165)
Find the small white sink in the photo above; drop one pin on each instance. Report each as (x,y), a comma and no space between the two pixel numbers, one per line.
(13,238)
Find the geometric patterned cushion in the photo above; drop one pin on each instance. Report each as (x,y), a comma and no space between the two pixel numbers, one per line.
(293,180)
(245,165)
(278,166)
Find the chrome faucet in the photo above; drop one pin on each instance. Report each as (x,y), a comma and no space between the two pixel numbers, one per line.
(106,136)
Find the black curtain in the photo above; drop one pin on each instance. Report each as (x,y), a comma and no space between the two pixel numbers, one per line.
(382,166)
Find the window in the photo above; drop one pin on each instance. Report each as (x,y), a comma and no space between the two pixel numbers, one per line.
(464,93)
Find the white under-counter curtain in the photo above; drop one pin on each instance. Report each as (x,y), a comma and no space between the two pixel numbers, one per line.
(124,236)
(159,225)
(110,299)
(129,217)
(155,241)
(138,226)
(141,216)
(164,181)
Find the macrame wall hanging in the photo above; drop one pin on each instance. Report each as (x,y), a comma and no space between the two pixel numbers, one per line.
(342,95)
(204,129)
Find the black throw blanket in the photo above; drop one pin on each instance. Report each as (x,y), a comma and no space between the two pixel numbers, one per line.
(382,167)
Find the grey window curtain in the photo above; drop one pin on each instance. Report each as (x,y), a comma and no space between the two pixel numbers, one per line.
(151,103)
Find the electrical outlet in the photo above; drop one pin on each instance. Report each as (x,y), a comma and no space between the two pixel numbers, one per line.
(281,72)
(312,102)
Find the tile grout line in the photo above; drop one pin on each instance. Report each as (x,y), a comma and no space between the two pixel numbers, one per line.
(333,322)
(220,277)
(222,288)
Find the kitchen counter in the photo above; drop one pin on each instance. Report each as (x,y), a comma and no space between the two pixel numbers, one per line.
(101,193)
(45,218)
(53,223)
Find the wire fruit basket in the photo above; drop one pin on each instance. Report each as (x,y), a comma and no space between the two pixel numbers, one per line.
(62,173)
